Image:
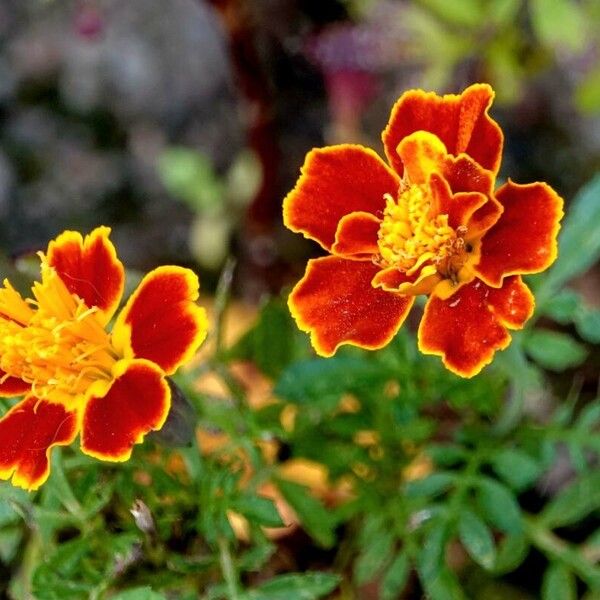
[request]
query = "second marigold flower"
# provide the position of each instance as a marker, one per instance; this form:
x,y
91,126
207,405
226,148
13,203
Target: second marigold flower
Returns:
x,y
430,223
77,376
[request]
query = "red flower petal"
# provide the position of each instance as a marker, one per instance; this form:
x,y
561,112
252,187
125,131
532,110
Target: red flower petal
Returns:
x,y
459,207
12,386
524,238
137,402
461,123
161,320
392,279
337,181
89,268
356,235
27,433
467,328
336,303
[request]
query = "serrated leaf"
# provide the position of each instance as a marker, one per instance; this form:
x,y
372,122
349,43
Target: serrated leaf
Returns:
x,y
138,593
516,468
553,350
578,241
305,586
374,555
323,379
587,323
511,552
430,486
258,509
499,506
395,577
476,538
316,520
574,503
563,306
558,583
431,557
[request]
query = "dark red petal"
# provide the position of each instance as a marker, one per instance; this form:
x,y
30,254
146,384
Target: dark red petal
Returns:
x,y
467,328
161,320
524,238
336,303
12,386
461,123
356,236
89,268
337,181
459,207
137,402
27,433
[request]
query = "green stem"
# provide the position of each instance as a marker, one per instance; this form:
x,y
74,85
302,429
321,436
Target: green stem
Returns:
x,y
221,300
557,549
228,569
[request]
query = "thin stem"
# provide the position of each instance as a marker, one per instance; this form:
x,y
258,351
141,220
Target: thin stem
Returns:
x,y
222,295
228,569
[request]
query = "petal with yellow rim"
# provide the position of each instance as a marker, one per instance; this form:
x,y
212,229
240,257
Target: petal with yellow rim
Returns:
x,y
89,267
161,320
460,121
12,386
467,328
28,431
524,238
137,402
335,182
356,236
336,303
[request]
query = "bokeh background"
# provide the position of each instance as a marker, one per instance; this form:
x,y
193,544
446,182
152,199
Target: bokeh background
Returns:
x,y
183,123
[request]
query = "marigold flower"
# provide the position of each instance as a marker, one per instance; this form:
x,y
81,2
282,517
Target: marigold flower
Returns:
x,y
75,374
430,223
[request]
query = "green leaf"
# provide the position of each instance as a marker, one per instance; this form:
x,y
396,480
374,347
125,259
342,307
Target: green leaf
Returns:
x,y
511,552
430,486
10,539
579,239
574,503
559,23
558,583
443,586
395,578
259,510
374,555
587,323
563,306
316,520
138,593
553,350
477,539
323,379
272,343
587,94
189,176
517,468
305,586
460,12
498,505
431,557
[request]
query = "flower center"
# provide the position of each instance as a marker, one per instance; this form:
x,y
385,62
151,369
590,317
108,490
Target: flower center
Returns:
x,y
54,342
410,236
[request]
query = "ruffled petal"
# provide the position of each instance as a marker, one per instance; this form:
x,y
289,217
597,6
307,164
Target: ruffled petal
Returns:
x,y
459,207
336,303
467,328
392,279
161,320
335,182
89,268
524,238
460,122
137,402
12,386
356,236
28,431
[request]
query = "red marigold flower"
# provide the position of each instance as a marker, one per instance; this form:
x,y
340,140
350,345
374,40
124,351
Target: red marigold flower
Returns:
x,y
429,224
76,375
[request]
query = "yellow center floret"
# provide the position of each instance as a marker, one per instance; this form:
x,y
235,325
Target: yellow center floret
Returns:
x,y
54,341
410,235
